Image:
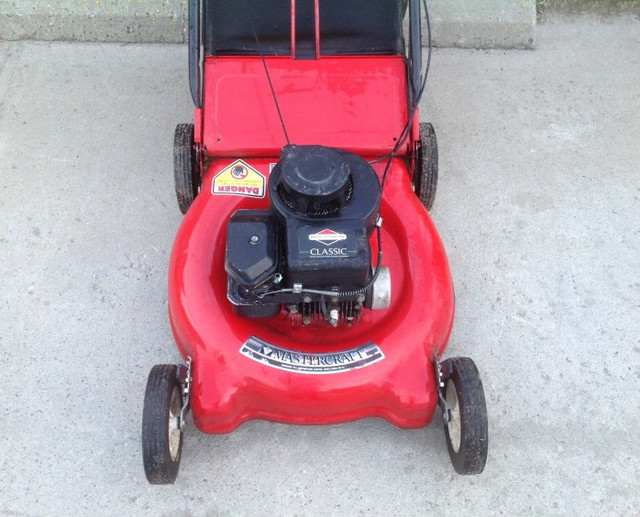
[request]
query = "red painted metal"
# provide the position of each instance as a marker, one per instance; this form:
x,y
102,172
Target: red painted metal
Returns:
x,y
197,126
230,388
354,103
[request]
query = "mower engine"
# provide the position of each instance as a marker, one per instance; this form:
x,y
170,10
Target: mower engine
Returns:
x,y
310,251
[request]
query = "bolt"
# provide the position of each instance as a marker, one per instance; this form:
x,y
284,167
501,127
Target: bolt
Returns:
x,y
334,316
254,239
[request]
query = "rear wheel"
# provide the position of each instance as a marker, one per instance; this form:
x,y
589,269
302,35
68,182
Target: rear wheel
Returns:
x,y
425,176
161,434
186,169
466,425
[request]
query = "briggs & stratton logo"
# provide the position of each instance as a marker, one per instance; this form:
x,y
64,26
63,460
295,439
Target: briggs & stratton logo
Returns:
x,y
327,237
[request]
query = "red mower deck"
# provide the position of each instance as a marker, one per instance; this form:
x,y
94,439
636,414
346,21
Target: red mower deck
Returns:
x,y
323,378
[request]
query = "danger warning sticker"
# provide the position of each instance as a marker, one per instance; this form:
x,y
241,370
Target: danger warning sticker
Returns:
x,y
239,179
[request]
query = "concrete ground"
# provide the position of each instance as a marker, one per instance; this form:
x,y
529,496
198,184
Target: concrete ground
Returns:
x,y
456,23
538,205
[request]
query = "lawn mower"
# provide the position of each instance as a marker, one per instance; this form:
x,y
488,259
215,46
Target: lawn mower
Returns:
x,y
307,282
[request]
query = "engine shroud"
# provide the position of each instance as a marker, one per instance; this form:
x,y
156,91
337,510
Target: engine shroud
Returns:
x,y
324,204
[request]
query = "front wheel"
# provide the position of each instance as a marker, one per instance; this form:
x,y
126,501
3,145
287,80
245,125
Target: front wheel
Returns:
x,y
161,433
466,425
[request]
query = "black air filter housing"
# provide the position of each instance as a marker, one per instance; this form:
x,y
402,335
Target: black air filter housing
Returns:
x,y
314,180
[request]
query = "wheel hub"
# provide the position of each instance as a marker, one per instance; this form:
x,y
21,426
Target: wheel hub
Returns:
x,y
453,425
174,424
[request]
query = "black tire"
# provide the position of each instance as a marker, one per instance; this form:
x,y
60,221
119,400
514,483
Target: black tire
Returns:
x,y
161,439
425,177
186,169
467,432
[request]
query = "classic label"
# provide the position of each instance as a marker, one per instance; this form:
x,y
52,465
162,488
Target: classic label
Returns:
x,y
306,363
239,179
329,252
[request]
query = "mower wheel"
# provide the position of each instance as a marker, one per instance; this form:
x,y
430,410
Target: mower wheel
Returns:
x,y
161,434
425,176
466,427
186,169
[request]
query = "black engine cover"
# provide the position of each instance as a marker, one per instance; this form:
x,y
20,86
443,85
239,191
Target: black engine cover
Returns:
x,y
324,203
328,201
